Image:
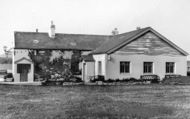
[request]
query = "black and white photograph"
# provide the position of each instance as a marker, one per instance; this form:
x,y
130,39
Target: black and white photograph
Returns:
x,y
94,59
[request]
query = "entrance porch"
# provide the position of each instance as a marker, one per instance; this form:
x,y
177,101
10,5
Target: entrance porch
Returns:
x,y
23,70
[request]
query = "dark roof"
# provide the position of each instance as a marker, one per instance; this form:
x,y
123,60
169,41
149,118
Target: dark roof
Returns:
x,y
99,43
121,40
117,40
88,58
38,40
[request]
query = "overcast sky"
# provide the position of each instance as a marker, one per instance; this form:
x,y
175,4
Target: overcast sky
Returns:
x,y
171,18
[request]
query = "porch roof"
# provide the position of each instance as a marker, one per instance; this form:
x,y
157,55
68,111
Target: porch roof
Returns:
x,y
21,59
88,58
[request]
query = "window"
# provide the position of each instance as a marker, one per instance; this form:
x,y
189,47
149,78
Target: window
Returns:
x,y
99,67
148,67
124,67
188,68
170,67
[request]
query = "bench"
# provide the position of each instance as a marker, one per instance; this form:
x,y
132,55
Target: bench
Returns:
x,y
152,78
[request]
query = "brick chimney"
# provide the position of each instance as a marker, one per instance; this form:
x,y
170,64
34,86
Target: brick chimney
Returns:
x,y
52,32
115,32
138,28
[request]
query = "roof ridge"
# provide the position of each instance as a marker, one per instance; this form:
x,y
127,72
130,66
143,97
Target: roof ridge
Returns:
x,y
83,34
29,32
133,31
62,33
79,34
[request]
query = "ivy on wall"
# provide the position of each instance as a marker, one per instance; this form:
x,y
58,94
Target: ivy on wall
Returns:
x,y
55,62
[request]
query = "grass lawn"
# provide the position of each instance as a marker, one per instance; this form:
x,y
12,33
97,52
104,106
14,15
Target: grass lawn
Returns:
x,y
92,102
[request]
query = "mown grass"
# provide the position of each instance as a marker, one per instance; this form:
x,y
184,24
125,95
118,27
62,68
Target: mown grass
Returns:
x,y
138,102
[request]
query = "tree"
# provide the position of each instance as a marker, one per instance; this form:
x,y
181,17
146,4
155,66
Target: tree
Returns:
x,y
5,50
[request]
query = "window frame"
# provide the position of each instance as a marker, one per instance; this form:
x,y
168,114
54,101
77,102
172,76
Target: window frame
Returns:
x,y
146,70
169,72
126,67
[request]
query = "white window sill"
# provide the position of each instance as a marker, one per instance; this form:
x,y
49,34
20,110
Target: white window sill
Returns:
x,y
148,73
125,73
170,73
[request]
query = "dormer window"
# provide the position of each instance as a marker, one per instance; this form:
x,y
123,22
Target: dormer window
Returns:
x,y
35,41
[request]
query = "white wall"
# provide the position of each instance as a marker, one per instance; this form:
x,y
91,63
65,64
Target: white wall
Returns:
x,y
88,71
19,54
102,58
136,65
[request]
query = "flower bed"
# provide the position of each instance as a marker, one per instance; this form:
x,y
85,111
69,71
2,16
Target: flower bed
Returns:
x,y
62,81
183,80
144,79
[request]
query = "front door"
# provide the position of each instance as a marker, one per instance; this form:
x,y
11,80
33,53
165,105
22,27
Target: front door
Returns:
x,y
24,76
23,69
99,68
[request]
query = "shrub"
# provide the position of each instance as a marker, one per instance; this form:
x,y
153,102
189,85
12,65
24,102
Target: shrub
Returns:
x,y
133,79
46,77
177,80
97,78
117,80
9,75
155,81
4,60
77,80
52,83
125,80
92,79
100,78
60,81
188,73
121,80
110,81
172,76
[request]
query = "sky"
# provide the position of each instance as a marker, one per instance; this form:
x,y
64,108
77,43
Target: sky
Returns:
x,y
171,18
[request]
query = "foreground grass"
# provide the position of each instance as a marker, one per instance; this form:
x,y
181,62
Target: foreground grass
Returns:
x,y
138,102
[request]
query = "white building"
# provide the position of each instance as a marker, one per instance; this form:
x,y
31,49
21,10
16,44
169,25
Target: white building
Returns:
x,y
140,52
131,54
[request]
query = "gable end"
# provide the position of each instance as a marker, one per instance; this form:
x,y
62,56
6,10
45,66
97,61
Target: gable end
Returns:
x,y
149,42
